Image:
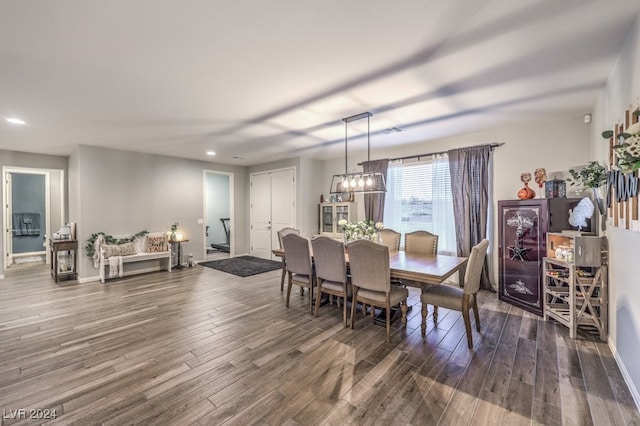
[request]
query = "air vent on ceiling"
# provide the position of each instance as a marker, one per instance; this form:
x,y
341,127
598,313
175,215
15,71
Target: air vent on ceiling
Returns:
x,y
393,130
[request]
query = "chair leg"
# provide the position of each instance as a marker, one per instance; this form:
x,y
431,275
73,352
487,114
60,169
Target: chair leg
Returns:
x,y
423,325
404,309
311,297
435,314
354,302
318,300
476,314
289,285
344,311
467,326
284,272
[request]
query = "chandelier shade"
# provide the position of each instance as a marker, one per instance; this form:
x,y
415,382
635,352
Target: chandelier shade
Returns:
x,y
358,182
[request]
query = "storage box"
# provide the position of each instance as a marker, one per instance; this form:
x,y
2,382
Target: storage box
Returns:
x,y
555,188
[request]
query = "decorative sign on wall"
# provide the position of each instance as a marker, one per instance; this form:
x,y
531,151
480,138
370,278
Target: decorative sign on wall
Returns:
x,y
622,178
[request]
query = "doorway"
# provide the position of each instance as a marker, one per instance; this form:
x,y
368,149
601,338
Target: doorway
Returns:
x,y
272,207
34,208
218,215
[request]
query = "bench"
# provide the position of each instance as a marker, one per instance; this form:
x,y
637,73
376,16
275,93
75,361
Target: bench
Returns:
x,y
149,253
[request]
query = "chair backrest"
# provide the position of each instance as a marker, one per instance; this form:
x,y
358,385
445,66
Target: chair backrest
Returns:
x,y
286,231
297,251
390,238
328,255
369,265
421,242
474,267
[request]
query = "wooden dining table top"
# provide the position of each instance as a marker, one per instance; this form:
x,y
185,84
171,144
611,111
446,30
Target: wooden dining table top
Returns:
x,y
417,268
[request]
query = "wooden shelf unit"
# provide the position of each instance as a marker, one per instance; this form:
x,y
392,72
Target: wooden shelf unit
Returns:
x,y
63,259
575,288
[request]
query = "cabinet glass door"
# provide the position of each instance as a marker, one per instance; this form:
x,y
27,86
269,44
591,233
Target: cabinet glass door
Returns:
x,y
326,224
342,212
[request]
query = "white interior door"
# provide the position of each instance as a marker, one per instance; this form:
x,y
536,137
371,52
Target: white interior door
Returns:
x,y
272,208
283,203
260,212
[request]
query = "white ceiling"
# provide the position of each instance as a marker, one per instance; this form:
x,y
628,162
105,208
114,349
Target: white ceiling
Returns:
x,y
266,80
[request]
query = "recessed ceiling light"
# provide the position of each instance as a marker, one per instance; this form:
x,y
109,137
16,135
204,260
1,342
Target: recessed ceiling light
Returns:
x,y
211,153
14,120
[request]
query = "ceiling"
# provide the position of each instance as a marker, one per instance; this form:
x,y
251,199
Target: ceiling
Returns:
x,y
258,81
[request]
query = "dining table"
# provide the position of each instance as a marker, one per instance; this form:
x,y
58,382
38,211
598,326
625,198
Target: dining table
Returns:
x,y
414,269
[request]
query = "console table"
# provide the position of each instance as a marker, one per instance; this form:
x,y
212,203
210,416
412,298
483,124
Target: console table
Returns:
x,y
178,243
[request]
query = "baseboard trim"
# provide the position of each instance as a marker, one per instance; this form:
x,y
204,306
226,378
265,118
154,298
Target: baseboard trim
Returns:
x,y
625,373
88,279
1,276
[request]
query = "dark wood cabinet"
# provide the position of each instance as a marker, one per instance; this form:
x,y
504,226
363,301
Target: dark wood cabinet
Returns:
x,y
523,226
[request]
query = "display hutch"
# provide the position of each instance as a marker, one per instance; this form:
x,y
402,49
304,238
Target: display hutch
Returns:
x,y
331,213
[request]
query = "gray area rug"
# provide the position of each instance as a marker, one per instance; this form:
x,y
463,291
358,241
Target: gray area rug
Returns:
x,y
243,266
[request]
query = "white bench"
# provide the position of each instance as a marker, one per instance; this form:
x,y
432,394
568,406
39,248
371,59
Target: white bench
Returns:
x,y
141,261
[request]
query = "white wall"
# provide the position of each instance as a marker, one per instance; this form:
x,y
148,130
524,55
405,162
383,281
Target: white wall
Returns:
x,y
621,91
557,144
120,192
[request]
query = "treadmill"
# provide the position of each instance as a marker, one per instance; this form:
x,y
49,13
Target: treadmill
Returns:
x,y
225,246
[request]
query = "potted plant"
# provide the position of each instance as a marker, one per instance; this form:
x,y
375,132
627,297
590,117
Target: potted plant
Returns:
x,y
593,176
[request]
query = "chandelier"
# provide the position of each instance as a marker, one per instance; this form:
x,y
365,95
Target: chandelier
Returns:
x,y
360,182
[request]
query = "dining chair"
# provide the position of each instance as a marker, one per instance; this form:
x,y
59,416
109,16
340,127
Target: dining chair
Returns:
x,y
297,250
421,242
389,238
459,299
371,280
331,271
282,233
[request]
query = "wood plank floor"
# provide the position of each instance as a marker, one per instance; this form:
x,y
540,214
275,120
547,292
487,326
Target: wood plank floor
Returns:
x,y
202,347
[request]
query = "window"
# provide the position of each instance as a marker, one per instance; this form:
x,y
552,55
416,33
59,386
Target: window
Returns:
x,y
419,198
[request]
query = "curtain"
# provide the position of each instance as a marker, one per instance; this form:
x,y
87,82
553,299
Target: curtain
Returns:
x,y
469,168
393,199
442,206
374,203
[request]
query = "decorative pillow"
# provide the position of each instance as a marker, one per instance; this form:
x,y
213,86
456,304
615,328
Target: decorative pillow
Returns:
x,y
125,249
157,243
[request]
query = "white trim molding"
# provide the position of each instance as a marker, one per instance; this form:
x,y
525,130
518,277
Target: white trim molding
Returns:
x,y
625,374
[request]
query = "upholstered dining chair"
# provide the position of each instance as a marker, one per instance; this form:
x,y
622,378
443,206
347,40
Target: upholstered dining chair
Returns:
x,y
390,238
282,233
421,242
331,271
459,299
370,280
300,272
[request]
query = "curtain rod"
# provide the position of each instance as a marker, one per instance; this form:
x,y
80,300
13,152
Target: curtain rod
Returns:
x,y
493,145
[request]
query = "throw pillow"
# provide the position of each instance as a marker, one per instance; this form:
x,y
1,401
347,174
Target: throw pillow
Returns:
x,y
157,243
125,249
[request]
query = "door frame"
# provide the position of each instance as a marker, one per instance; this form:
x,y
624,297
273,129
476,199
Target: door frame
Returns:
x,y
295,199
7,206
231,211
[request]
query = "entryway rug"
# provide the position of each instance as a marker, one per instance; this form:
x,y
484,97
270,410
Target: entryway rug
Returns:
x,y
243,266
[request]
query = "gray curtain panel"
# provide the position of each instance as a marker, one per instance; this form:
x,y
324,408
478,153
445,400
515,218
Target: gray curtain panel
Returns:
x,y
469,168
374,203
